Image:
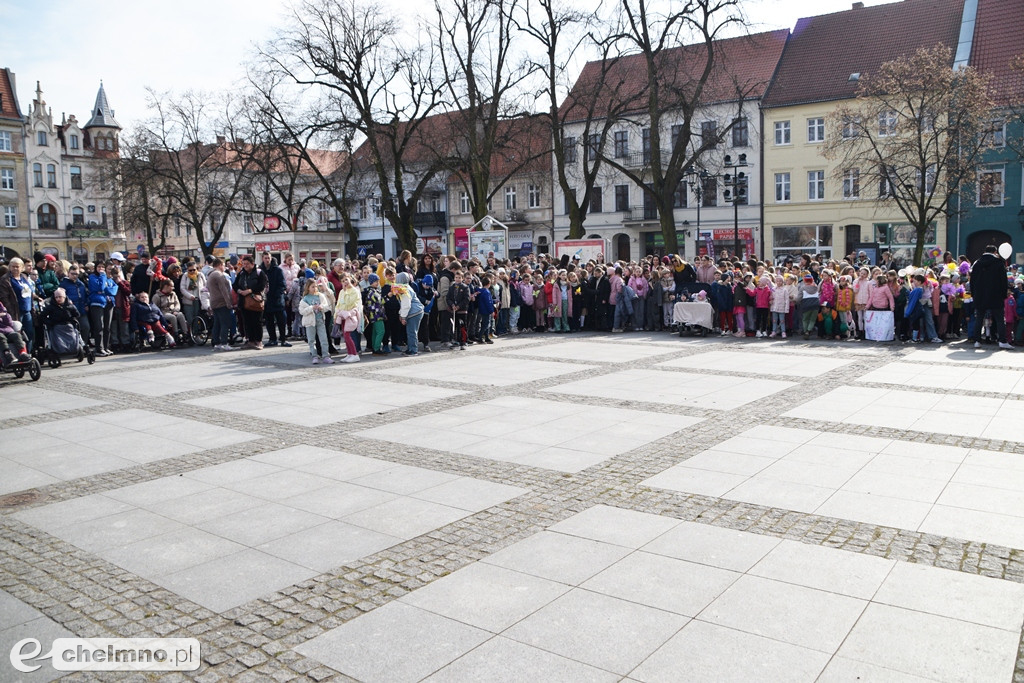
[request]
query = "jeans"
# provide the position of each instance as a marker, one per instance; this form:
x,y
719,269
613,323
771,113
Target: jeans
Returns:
x,y
412,328
221,325
314,331
778,322
99,323
929,322
28,328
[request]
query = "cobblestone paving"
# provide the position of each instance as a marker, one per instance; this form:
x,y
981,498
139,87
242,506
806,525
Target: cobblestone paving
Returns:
x,y
89,596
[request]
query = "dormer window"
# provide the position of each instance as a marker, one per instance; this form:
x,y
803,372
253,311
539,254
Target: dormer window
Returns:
x,y
74,141
41,138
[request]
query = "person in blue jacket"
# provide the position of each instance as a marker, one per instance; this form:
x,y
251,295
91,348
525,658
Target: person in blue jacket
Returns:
x,y
78,294
485,308
102,292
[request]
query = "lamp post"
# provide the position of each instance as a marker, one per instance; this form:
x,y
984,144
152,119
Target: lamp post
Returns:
x,y
739,181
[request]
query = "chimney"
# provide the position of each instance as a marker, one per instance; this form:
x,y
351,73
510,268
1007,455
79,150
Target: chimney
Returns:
x,y
858,5
220,139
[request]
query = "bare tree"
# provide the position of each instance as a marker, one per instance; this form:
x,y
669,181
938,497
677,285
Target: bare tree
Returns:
x,y
680,72
199,170
483,78
598,98
146,205
914,136
386,93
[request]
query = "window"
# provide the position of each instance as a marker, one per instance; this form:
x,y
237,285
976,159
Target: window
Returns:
x,y
681,197
622,197
569,145
77,216
46,217
621,144
5,141
990,186
851,128
463,202
816,130
569,199
375,206
37,175
6,178
323,213
593,146
645,142
10,216
76,177
709,192
596,203
709,134
74,141
677,130
533,196
815,185
851,183
740,133
51,175
995,134
782,187
41,138
886,123
510,198
362,211
799,239
782,133
929,179
885,181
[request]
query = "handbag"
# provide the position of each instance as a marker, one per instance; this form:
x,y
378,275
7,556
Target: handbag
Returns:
x,y
253,302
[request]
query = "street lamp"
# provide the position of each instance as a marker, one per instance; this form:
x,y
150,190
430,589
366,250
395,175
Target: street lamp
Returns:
x,y
739,182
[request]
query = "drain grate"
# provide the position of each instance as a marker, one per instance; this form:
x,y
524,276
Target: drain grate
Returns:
x,y
14,500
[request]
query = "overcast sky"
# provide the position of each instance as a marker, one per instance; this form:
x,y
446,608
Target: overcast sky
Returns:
x,y
201,44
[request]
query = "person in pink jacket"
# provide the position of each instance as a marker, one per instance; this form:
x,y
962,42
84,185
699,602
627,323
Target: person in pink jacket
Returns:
x,y
862,287
641,287
762,305
780,301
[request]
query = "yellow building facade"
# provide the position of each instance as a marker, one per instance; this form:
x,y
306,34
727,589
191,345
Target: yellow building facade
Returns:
x,y
813,204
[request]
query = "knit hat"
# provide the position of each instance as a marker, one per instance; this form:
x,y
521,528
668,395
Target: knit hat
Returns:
x,y
372,279
309,274
428,280
808,276
49,257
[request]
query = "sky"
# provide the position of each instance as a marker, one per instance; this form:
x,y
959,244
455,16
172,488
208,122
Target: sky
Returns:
x,y
186,44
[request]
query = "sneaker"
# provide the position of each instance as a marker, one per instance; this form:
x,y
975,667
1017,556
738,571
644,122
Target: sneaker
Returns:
x,y
935,340
772,334
327,360
1004,345
977,344
783,335
170,341
488,341
351,359
426,349
404,353
150,337
258,346
316,360
9,357
272,342
462,347
286,344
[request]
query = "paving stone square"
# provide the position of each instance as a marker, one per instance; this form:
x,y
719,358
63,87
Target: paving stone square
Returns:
x,y
317,402
656,609
976,416
226,534
21,621
475,370
790,364
554,435
945,490
637,507
164,380
719,392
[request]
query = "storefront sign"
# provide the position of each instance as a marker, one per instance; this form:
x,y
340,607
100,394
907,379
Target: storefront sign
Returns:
x,y
273,246
516,239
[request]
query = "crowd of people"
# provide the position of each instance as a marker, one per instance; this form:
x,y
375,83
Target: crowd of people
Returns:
x,y
415,305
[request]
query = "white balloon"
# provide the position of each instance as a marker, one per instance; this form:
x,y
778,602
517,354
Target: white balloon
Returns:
x,y
1006,250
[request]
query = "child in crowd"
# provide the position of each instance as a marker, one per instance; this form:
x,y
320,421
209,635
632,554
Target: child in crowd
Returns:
x,y
12,345
721,296
810,300
374,305
485,308
458,304
845,302
762,304
779,307
348,315
149,318
861,294
740,297
668,296
312,308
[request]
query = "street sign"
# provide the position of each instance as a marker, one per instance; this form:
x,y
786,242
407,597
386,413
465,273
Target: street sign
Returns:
x,y
141,248
362,252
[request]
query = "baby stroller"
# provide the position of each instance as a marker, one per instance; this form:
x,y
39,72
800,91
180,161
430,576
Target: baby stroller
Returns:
x,y
65,339
18,367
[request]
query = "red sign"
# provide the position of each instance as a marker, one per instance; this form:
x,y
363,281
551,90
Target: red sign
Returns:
x,y
271,223
273,246
462,242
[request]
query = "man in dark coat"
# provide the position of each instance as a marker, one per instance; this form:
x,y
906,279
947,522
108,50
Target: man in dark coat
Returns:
x,y
273,311
141,280
250,282
988,289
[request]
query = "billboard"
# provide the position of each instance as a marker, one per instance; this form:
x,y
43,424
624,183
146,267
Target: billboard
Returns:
x,y
585,249
482,242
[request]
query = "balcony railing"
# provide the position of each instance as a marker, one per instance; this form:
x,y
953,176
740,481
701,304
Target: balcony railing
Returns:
x,y
637,214
430,219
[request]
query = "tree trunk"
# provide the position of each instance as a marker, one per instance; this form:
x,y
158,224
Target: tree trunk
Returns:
x,y
576,229
667,219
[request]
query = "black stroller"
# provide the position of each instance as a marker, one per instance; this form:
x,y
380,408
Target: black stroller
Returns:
x,y
65,340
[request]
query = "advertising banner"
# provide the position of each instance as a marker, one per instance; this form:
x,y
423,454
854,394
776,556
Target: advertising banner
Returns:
x,y
584,249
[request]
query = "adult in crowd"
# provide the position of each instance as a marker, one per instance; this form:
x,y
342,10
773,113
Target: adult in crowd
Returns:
x,y
988,289
251,287
141,280
273,312
78,294
219,286
336,274
17,295
102,292
191,286
48,280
